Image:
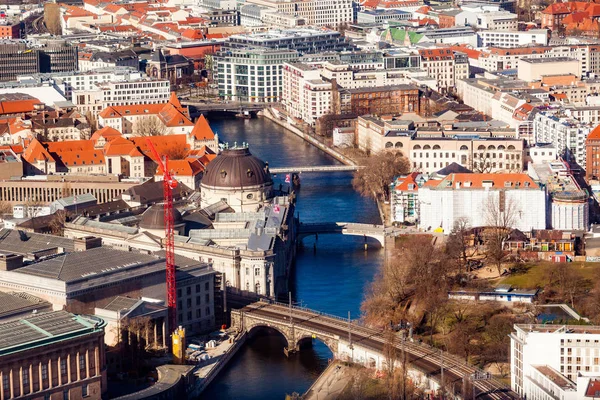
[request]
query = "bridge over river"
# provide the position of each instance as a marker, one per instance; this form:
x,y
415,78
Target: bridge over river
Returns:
x,y
315,168
377,232
348,340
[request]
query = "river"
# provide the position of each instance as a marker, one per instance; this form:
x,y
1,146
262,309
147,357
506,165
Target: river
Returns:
x,y
331,279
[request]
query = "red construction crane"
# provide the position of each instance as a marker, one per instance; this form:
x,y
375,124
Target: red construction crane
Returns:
x,y
169,183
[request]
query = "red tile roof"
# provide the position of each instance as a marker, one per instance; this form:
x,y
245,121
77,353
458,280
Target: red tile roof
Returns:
x,y
107,133
18,106
475,181
202,130
183,168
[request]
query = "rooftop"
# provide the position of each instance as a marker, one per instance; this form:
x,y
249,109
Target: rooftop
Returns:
x,y
44,329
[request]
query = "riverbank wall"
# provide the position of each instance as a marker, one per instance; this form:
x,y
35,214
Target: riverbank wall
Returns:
x,y
271,115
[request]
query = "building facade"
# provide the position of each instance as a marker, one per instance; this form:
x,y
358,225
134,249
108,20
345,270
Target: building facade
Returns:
x,y
53,355
554,361
479,198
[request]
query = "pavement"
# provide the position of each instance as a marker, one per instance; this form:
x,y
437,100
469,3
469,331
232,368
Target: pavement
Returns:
x,y
331,383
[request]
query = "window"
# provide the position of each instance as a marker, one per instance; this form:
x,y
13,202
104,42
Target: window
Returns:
x,y
197,288
84,391
198,313
189,303
44,371
206,286
63,366
256,271
179,304
207,298
189,315
180,318
178,292
207,311
188,290
82,362
5,382
198,301
66,394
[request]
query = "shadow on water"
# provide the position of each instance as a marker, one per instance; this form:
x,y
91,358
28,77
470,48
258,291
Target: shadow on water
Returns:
x,y
331,280
261,370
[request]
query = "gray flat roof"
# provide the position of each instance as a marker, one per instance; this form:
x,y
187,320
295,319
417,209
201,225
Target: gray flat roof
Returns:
x,y
24,243
95,262
43,329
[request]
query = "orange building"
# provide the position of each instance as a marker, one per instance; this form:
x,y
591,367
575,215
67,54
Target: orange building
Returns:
x,y
10,30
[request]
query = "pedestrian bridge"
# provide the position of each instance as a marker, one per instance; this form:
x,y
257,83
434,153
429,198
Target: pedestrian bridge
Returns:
x,y
350,341
314,168
376,232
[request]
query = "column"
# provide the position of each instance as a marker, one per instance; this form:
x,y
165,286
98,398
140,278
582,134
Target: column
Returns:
x,y
59,369
155,335
50,383
21,381
87,363
1,385
96,362
78,364
164,331
40,379
12,384
68,367
30,378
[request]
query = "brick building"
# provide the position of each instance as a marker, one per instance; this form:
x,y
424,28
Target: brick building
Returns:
x,y
52,355
592,158
397,99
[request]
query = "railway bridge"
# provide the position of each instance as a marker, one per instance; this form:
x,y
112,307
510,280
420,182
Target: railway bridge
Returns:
x,y
349,340
376,232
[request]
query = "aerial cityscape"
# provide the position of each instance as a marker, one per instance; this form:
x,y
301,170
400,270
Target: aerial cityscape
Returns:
x,y
300,199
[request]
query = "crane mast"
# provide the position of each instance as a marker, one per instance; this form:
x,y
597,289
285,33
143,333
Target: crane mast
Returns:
x,y
169,183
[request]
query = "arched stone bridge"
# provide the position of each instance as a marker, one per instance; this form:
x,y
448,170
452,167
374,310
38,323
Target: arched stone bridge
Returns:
x,y
376,232
353,342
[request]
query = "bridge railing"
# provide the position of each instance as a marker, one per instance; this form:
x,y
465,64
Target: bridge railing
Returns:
x,y
320,313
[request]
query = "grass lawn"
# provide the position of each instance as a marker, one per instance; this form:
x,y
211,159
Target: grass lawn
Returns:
x,y
535,275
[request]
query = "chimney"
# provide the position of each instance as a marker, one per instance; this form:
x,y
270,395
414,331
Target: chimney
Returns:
x,y
86,243
10,261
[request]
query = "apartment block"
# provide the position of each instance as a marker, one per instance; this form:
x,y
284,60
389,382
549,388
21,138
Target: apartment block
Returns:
x,y
512,39
555,361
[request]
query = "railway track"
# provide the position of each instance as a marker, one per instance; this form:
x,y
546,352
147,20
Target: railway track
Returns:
x,y
424,358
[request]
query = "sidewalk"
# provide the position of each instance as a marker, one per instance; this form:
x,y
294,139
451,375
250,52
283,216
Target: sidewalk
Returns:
x,y
330,384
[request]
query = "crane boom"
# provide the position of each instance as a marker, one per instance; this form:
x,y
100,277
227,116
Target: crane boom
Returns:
x,y
169,183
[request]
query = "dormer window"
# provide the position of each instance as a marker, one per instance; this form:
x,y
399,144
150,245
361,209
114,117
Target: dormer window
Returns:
x,y
249,173
223,173
507,184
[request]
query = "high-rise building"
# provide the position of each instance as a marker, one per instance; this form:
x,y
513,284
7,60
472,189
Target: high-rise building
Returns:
x,y
51,56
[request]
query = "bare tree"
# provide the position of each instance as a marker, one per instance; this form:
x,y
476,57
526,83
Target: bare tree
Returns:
x,y
92,121
457,243
482,162
5,208
52,18
66,190
175,152
379,170
501,216
149,126
57,223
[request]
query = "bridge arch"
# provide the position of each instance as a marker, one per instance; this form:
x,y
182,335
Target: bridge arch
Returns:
x,y
331,344
252,330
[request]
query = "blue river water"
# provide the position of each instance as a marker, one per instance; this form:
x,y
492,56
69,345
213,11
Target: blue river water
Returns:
x,y
331,278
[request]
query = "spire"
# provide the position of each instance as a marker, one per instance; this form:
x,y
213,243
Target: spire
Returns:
x,y
174,100
202,130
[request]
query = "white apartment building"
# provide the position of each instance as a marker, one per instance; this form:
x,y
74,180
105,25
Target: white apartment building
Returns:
x,y
441,64
253,75
497,59
552,362
124,93
82,81
567,135
512,39
304,94
586,115
497,20
315,12
477,197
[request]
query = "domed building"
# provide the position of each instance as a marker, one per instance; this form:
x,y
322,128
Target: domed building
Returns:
x,y
153,221
238,178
